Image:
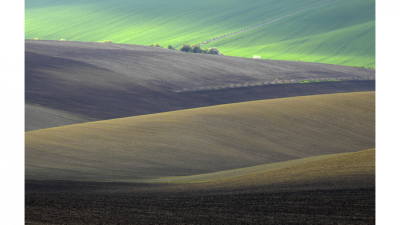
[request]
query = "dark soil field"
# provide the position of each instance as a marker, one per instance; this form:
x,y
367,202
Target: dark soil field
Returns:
x,y
344,194
349,206
73,82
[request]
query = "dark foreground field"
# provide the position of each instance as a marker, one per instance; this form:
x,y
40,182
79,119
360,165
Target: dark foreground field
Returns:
x,y
345,194
346,206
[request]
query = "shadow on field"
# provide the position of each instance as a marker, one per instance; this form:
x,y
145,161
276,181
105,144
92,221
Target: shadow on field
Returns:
x,y
94,93
74,82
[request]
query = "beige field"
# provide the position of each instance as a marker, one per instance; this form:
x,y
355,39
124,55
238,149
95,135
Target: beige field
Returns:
x,y
203,140
349,170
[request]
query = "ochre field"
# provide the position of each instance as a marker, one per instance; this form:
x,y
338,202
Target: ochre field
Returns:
x,y
203,140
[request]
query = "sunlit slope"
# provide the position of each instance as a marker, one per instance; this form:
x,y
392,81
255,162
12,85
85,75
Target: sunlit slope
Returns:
x,y
208,177
203,140
147,22
341,33
351,170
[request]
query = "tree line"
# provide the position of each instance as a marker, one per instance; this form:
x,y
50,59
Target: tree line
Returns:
x,y
195,48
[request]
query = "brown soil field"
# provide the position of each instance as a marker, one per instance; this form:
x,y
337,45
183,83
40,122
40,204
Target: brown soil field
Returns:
x,y
339,190
71,82
170,68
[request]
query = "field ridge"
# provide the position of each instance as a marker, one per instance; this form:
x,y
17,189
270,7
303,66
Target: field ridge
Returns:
x,y
203,140
121,80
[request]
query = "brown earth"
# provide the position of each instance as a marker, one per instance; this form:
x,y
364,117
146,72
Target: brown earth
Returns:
x,y
344,194
175,69
349,206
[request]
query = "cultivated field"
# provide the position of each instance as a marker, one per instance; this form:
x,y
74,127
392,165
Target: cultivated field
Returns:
x,y
73,82
203,140
338,189
109,141
342,32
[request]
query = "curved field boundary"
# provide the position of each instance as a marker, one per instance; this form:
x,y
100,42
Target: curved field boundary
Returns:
x,y
203,140
269,82
273,20
207,177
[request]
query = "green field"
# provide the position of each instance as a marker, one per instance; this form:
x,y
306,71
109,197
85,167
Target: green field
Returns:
x,y
203,140
341,33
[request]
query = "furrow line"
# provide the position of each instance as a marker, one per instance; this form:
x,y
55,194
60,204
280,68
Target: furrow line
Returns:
x,y
273,20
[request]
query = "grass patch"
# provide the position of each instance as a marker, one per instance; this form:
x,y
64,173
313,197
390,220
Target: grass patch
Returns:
x,y
308,81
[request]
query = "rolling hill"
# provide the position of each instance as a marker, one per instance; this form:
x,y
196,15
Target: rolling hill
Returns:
x,y
121,132
74,82
338,171
203,140
342,32
339,189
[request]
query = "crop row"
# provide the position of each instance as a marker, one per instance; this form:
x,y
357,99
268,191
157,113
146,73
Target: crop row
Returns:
x,y
269,82
273,20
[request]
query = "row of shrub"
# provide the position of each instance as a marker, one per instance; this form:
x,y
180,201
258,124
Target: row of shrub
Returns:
x,y
195,48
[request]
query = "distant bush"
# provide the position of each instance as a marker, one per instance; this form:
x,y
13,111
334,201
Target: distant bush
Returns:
x,y
213,51
157,45
107,41
171,47
63,40
196,48
185,48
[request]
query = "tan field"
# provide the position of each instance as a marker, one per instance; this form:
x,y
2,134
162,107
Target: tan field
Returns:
x,y
203,140
350,170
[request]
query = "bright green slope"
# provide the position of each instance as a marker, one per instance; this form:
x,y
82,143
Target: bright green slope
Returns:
x,y
343,33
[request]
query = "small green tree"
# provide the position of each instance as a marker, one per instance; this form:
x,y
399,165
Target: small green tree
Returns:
x,y
171,47
185,48
196,48
157,45
213,51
